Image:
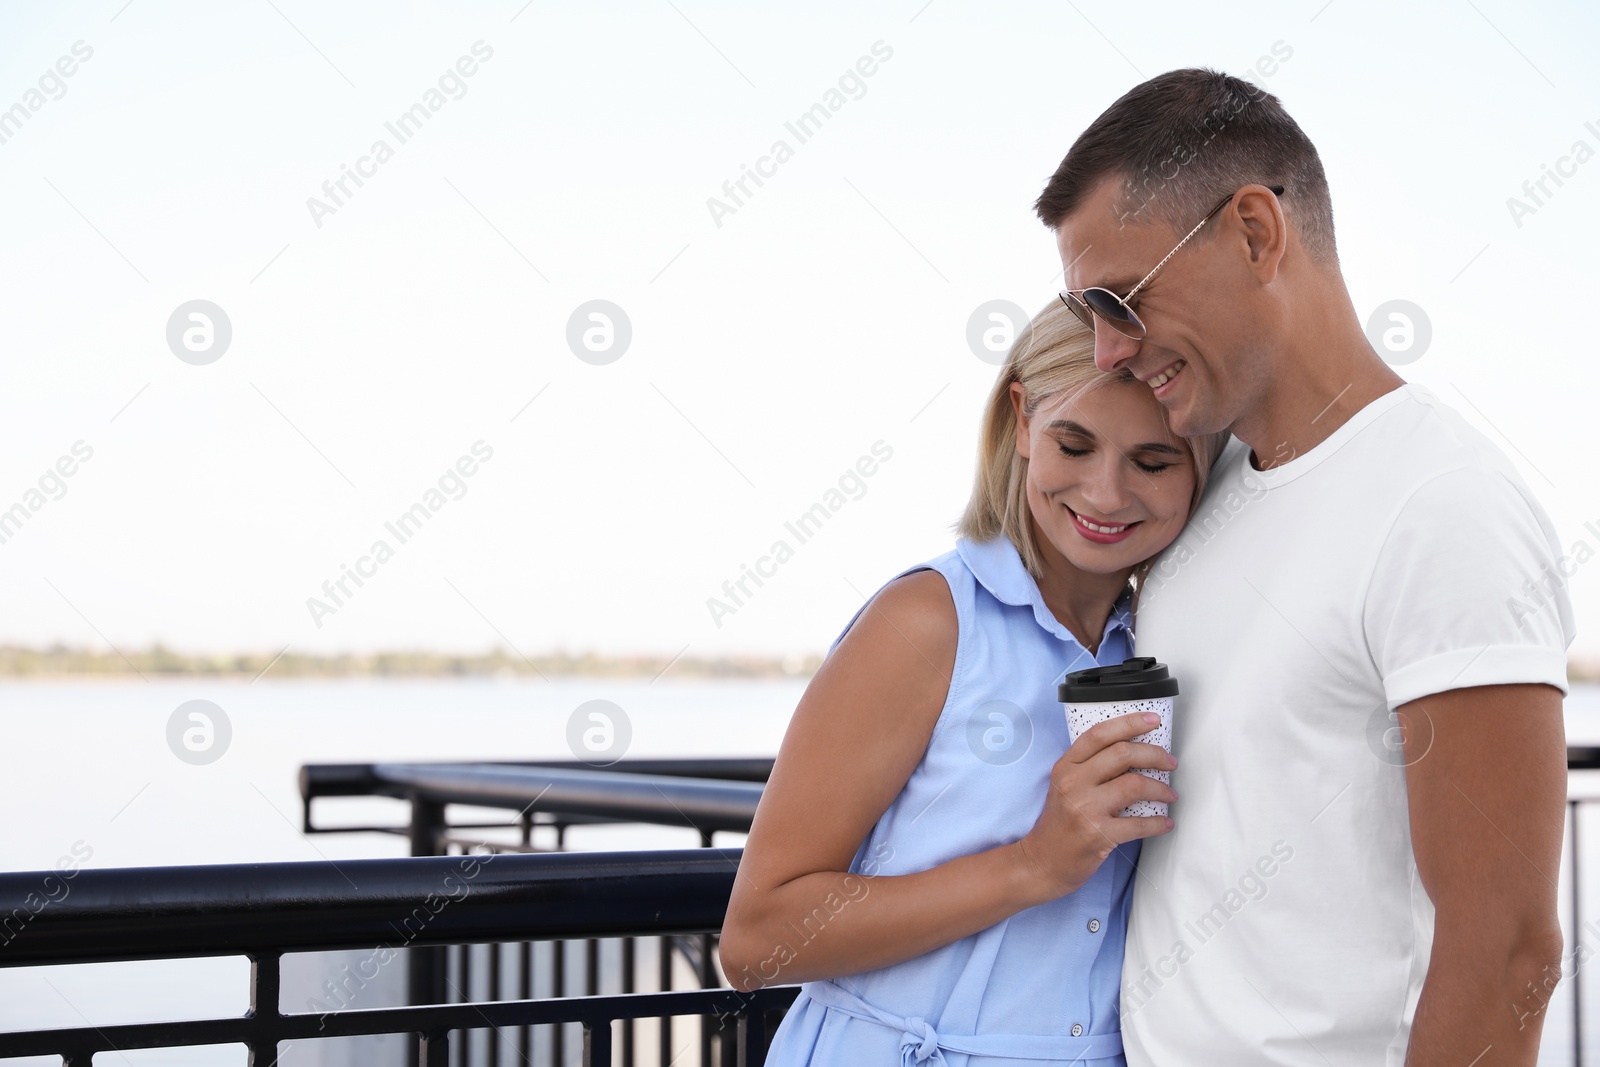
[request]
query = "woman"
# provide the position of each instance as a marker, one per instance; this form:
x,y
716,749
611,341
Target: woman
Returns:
x,y
943,879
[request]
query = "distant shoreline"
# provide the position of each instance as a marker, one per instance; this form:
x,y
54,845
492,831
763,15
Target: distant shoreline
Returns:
x,y
61,663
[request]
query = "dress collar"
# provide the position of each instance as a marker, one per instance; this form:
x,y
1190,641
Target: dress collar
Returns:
x,y
999,569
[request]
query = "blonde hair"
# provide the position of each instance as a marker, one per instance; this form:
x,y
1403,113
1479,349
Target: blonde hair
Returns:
x,y
1053,356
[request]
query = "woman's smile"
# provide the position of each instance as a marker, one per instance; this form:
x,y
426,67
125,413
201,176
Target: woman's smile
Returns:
x,y
1101,533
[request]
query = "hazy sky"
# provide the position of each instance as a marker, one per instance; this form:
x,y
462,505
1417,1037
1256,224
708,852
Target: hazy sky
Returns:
x,y
380,335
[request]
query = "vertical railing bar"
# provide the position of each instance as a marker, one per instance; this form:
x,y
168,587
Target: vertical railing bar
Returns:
x,y
266,983
558,1032
494,994
750,1042
469,1040
525,951
424,966
627,987
596,1044
1577,939
664,967
433,1049
450,974
525,983
558,988
457,989
708,980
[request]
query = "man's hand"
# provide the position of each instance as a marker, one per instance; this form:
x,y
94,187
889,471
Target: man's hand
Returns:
x,y
1486,779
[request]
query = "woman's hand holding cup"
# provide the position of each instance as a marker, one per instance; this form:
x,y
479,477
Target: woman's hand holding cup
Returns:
x,y
1094,780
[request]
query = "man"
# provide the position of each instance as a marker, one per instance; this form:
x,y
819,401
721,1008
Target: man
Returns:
x,y
1365,618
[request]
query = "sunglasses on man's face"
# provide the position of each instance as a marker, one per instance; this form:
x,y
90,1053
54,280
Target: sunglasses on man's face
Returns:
x,y
1117,311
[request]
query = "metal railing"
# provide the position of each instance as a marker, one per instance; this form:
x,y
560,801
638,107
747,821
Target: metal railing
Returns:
x,y
459,895
538,924
704,795
263,911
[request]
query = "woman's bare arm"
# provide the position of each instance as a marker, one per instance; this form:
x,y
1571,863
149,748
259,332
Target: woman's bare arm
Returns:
x,y
861,728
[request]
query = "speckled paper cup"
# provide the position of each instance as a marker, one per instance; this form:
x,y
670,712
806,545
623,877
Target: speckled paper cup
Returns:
x,y
1139,684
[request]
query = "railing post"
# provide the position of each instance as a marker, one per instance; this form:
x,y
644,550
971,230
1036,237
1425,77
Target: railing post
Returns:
x,y
627,987
708,980
461,992
1577,939
558,988
433,1049
424,966
427,824
494,994
525,983
262,1054
664,961
752,1038
597,1044
266,981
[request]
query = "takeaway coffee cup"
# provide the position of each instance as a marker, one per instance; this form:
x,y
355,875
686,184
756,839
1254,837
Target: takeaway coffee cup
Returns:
x,y
1100,693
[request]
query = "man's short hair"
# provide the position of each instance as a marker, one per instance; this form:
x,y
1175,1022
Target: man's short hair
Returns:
x,y
1184,140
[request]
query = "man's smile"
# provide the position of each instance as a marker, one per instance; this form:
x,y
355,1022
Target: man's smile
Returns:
x,y
1165,375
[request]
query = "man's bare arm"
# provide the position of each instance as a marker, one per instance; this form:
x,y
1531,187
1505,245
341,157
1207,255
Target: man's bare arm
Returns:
x,y
1487,784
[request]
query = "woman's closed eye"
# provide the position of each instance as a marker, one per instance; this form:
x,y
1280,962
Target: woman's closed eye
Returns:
x,y
1148,468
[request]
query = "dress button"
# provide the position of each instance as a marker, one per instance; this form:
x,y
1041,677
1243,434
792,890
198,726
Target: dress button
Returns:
x,y
1094,926
1077,1029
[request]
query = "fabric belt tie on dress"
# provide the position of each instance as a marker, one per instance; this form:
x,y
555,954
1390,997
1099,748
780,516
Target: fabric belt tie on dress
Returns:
x,y
920,1043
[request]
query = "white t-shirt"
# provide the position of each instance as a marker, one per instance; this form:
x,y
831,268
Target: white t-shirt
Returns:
x,y
1282,920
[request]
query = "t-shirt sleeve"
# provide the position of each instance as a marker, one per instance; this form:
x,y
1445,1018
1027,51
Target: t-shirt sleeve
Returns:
x,y
1468,589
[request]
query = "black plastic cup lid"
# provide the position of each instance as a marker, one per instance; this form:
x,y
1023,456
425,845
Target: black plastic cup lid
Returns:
x,y
1138,678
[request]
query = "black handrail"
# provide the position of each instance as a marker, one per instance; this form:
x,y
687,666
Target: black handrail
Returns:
x,y
127,913
263,910
705,794
706,804
359,779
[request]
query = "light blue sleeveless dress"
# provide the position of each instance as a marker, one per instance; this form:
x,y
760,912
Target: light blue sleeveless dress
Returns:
x,y
1042,986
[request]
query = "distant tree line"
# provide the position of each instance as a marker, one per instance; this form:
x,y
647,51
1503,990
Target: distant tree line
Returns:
x,y
62,661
